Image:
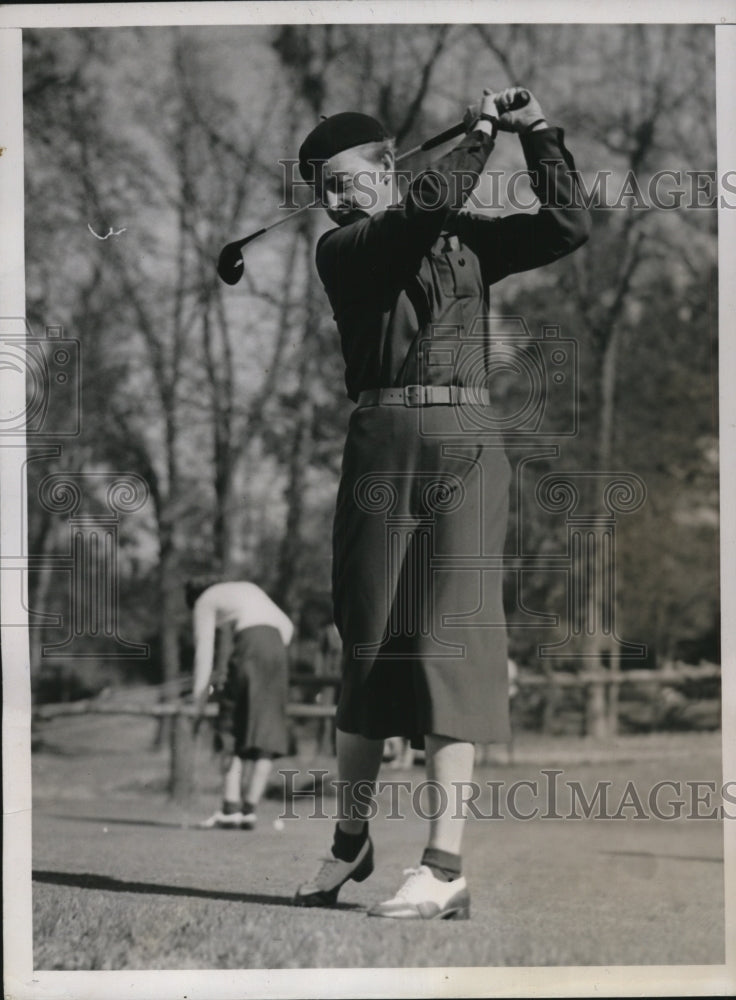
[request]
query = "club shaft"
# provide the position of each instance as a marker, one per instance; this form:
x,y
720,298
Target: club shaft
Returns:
x,y
230,260
519,101
286,218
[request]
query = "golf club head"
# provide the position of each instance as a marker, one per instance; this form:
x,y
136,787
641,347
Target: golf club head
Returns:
x,y
230,263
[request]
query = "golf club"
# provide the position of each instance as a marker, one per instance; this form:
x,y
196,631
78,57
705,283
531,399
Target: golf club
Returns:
x,y
230,261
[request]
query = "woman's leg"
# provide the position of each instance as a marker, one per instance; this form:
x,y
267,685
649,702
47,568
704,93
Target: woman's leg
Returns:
x,y
436,888
257,779
448,762
232,770
358,763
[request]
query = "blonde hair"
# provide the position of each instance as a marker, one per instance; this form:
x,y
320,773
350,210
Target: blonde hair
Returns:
x,y
375,151
378,150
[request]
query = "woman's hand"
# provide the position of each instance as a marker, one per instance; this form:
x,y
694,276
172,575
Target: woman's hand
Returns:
x,y
199,707
499,106
485,106
522,118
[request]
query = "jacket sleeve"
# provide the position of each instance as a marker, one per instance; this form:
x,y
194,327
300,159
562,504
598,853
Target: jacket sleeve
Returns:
x,y
378,253
526,240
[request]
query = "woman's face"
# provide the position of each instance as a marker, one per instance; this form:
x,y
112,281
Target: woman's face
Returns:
x,y
356,182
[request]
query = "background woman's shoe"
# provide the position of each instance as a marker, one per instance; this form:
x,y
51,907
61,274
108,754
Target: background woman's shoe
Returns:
x,y
222,821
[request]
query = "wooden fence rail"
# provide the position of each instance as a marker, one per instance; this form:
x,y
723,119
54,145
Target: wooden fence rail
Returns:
x,y
181,768
296,709
159,710
558,678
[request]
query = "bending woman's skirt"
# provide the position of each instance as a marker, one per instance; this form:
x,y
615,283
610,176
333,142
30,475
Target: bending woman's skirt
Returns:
x,y
252,716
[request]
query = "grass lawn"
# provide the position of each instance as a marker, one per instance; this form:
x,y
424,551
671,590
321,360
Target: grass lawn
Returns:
x,y
122,881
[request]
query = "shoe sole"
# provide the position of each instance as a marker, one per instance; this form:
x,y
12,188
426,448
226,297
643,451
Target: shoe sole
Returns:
x,y
456,913
243,823
328,897
427,911
219,826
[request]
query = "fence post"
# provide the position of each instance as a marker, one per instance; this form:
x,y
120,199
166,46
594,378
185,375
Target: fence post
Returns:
x,y
596,723
613,696
181,773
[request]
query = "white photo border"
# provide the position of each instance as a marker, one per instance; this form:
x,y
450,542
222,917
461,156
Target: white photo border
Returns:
x,y
20,979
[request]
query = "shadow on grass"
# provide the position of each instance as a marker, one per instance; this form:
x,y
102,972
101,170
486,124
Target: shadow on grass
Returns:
x,y
85,880
103,820
663,857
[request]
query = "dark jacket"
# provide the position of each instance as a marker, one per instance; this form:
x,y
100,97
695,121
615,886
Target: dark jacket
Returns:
x,y
393,279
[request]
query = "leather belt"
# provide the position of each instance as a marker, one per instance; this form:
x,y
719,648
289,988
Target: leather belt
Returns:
x,y
425,395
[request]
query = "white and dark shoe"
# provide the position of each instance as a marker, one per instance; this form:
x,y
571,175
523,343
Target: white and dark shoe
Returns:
x,y
424,897
322,890
247,820
223,821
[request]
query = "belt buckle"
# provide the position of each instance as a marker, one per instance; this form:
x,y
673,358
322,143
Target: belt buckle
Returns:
x,y
413,395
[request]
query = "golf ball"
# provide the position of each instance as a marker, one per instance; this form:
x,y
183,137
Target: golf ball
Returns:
x,y
278,824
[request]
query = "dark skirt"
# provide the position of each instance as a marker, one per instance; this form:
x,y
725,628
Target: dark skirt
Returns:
x,y
417,576
252,716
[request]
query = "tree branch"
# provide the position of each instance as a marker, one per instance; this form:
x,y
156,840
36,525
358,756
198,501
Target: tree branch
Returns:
x,y
424,80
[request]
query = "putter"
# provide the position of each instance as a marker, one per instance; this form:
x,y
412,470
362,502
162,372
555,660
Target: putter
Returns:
x,y
230,261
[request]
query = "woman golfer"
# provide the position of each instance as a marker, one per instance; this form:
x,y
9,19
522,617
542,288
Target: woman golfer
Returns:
x,y
422,504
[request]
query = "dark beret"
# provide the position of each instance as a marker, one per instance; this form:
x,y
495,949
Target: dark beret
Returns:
x,y
335,134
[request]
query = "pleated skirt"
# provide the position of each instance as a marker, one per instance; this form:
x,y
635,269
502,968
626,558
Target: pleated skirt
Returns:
x,y
252,715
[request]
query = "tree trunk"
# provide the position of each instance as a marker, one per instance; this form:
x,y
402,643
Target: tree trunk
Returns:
x,y
168,630
613,693
181,778
291,544
302,443
600,709
225,520
608,399
596,724
40,582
